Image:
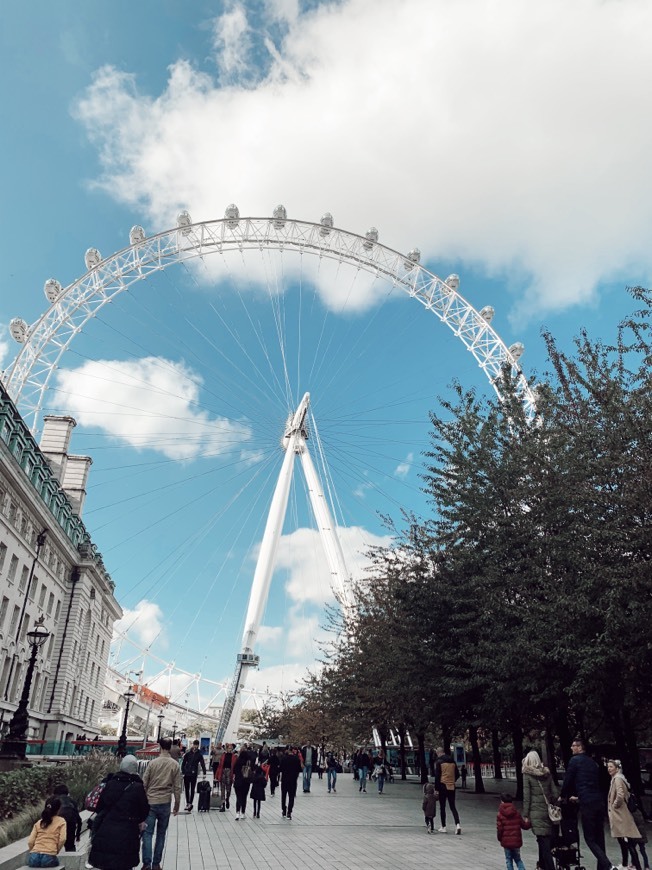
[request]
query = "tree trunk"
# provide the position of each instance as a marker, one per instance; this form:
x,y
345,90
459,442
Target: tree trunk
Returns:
x,y
565,738
401,751
423,767
517,737
551,758
475,754
632,753
446,737
495,746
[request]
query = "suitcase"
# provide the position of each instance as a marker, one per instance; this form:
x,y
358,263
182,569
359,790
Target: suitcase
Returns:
x,y
204,796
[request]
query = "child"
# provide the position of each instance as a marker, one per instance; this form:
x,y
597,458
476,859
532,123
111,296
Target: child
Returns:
x,y
429,806
47,837
509,823
258,789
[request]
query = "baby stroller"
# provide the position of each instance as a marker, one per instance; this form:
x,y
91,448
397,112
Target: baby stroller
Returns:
x,y
204,790
566,840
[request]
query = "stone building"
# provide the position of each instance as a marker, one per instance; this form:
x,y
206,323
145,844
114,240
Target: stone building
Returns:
x,y
49,567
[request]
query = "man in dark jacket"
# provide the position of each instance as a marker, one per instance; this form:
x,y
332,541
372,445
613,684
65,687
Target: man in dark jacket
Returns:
x,y
290,768
582,782
190,770
70,813
364,763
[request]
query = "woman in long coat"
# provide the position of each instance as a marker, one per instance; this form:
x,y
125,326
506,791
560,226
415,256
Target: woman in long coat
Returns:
x,y
539,790
121,811
621,821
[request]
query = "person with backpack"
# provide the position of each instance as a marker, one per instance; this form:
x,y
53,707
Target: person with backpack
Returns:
x,y
621,821
48,836
242,778
192,761
70,813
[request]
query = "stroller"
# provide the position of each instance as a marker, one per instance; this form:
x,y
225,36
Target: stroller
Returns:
x,y
204,789
566,842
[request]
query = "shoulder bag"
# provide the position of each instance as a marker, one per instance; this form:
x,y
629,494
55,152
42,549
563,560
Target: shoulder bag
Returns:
x,y
554,812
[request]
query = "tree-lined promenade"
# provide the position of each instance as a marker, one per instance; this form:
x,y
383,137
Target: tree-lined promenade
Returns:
x,y
520,610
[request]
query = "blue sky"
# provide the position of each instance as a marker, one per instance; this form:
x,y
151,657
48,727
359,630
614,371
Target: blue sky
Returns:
x,y
509,143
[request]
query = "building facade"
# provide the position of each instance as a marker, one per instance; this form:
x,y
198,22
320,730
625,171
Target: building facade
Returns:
x,y
50,568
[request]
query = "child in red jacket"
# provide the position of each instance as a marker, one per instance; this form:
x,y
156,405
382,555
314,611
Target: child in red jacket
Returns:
x,y
509,824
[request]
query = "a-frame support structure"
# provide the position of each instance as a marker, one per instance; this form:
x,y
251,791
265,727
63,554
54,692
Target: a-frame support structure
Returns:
x,y
294,444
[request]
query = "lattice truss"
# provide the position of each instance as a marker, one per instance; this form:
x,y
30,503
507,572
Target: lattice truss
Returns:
x,y
45,341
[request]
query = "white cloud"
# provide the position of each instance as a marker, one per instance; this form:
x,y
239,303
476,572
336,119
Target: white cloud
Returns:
x,y
5,350
232,43
403,468
301,553
507,134
152,404
142,625
269,635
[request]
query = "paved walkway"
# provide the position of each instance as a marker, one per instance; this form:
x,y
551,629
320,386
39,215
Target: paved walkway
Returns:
x,y
343,831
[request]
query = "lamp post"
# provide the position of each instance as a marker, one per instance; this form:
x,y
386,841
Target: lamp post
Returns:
x,y
160,718
122,740
15,744
174,729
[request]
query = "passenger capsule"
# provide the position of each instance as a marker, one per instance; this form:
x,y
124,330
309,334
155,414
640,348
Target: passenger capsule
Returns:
x,y
326,224
184,223
280,216
92,258
453,281
137,234
517,350
52,289
413,258
371,237
19,329
487,313
232,215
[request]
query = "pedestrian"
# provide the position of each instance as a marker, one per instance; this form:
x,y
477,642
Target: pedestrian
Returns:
x,y
463,775
192,761
48,836
581,783
429,806
363,762
509,825
446,772
290,768
273,762
331,772
264,753
175,750
242,777
309,755
162,781
121,813
539,790
225,775
621,821
70,812
258,787
380,772
639,820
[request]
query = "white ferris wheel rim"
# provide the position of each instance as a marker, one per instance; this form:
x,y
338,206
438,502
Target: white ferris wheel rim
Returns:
x,y
28,377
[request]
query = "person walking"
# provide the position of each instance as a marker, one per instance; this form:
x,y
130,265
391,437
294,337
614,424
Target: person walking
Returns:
x,y
539,790
364,762
70,813
331,772
273,763
509,825
581,783
258,787
463,774
290,769
162,782
446,772
225,775
48,836
621,821
192,761
242,777
121,813
429,806
380,771
309,755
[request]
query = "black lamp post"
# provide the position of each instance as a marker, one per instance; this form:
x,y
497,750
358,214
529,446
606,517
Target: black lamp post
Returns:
x,y
122,740
174,729
15,743
160,718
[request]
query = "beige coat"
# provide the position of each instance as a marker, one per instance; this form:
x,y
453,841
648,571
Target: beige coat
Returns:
x,y
621,821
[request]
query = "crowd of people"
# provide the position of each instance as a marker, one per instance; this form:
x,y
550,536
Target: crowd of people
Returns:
x,y
133,813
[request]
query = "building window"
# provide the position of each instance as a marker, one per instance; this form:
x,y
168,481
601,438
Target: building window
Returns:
x,y
3,555
14,620
23,628
13,567
3,611
50,645
23,578
32,587
50,604
57,611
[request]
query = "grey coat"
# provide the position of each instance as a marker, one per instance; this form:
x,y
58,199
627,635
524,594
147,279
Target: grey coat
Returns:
x,y
535,807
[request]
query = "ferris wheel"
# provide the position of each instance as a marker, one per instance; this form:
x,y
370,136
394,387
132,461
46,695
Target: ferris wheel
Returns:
x,y
258,258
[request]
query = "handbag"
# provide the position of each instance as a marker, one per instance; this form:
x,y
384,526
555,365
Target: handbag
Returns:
x,y
554,812
93,797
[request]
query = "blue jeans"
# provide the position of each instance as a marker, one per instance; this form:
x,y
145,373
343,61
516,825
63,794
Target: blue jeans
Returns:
x,y
511,856
381,782
40,859
331,777
159,817
362,773
307,773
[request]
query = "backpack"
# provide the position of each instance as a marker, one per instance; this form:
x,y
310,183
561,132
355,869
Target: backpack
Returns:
x,y
632,803
93,797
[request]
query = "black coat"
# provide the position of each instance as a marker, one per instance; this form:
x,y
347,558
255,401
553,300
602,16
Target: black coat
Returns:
x,y
290,768
116,834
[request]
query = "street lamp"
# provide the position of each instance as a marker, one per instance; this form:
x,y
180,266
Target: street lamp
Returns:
x,y
15,744
160,718
174,729
122,740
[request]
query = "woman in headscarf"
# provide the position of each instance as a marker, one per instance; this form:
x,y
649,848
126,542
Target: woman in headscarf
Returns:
x,y
539,790
121,814
621,821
